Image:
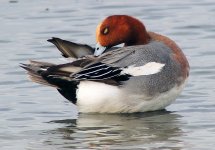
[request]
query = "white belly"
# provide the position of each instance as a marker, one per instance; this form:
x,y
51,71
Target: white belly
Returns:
x,y
96,97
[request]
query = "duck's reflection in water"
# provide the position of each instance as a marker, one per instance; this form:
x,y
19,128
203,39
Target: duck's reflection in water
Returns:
x,y
159,129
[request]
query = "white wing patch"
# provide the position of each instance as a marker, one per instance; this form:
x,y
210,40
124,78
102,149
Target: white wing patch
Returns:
x,y
147,69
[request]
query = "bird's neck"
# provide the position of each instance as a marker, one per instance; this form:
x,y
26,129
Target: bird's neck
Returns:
x,y
138,35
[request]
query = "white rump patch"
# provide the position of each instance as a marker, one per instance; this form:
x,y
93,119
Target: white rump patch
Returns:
x,y
147,69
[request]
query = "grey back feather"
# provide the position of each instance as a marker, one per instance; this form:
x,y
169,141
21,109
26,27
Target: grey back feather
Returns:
x,y
169,76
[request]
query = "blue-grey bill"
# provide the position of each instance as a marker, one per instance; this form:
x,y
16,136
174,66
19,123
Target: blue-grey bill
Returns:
x,y
99,49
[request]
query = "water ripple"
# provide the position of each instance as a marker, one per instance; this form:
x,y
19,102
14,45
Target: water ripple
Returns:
x,y
37,117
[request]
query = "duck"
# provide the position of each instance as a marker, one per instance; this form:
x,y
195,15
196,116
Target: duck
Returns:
x,y
147,74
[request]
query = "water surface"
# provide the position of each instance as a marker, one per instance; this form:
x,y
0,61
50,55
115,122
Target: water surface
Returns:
x,y
37,117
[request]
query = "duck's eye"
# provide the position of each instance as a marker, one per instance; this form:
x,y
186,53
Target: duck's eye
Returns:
x,y
105,31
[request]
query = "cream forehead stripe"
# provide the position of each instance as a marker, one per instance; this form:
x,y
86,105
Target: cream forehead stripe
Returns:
x,y
147,69
98,31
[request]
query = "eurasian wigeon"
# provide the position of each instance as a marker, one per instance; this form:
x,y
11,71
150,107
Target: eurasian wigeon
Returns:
x,y
147,74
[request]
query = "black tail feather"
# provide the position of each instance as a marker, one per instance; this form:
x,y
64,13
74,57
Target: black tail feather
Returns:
x,y
42,73
67,88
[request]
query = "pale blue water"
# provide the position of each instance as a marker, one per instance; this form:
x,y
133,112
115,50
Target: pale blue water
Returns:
x,y
36,117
